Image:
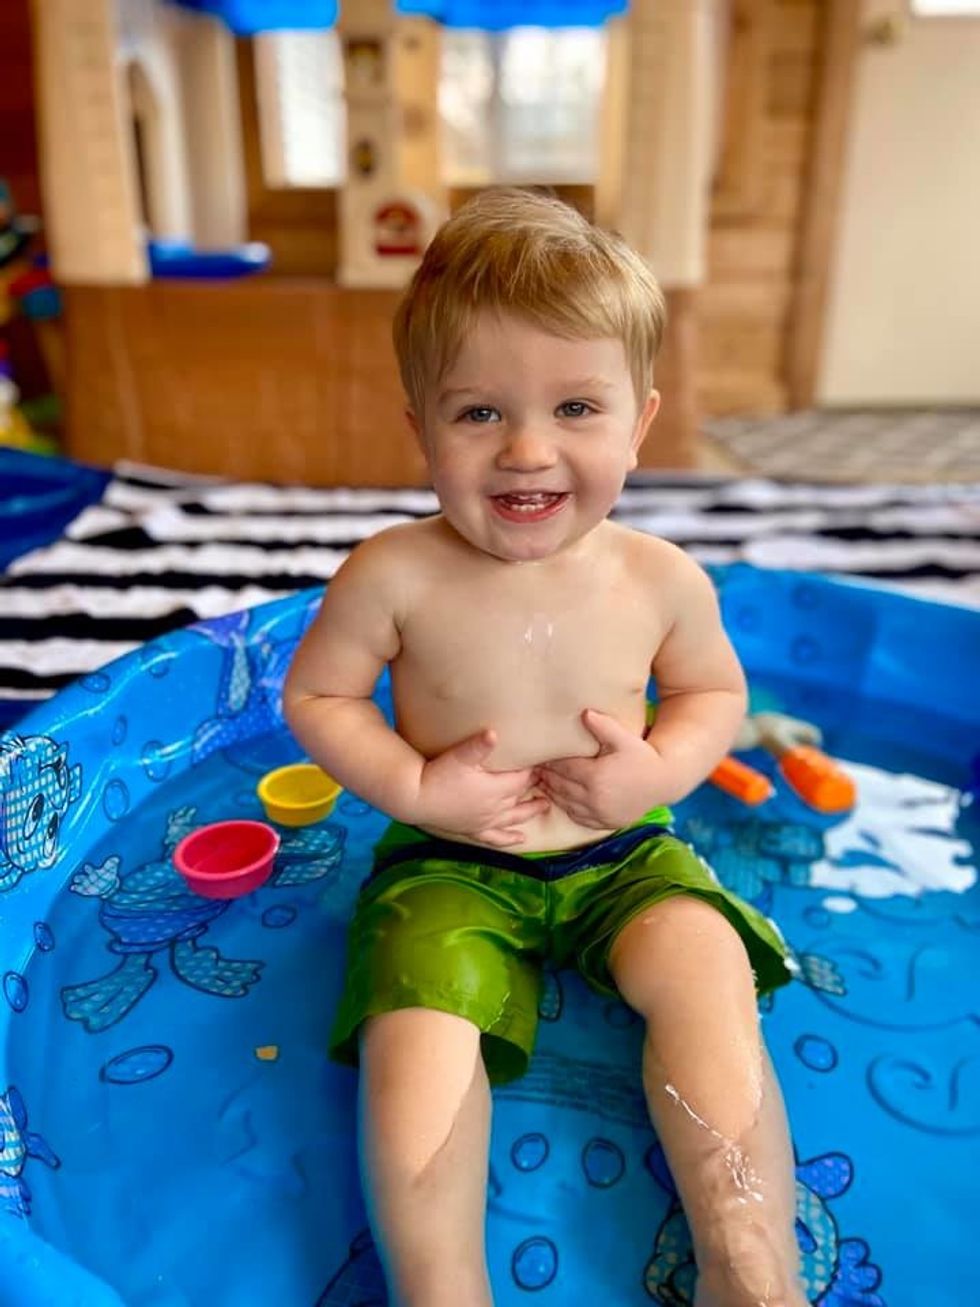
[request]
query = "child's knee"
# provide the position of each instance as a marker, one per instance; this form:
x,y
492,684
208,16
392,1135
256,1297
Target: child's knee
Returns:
x,y
682,943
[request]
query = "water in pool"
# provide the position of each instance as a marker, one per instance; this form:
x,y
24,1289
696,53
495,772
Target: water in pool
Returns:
x,y
195,1145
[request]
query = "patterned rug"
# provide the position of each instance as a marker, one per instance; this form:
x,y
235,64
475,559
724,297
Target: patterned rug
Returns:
x,y
910,445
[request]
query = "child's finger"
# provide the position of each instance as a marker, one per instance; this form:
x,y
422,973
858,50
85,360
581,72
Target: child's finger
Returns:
x,y
564,789
524,811
512,784
571,769
610,733
474,750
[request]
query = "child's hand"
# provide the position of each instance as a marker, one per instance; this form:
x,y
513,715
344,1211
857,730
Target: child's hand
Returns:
x,y
622,782
457,794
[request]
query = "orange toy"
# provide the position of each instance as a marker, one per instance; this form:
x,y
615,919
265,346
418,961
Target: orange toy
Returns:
x,y
741,781
809,772
817,779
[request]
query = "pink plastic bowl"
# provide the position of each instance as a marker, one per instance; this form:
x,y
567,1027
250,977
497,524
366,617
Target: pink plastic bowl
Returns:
x,y
227,858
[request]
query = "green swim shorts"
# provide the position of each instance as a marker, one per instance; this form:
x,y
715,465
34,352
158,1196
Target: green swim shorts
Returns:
x,y
466,930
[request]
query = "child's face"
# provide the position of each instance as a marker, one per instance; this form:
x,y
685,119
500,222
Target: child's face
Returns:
x,y
529,436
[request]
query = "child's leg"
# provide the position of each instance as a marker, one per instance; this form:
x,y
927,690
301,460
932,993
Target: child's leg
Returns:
x,y
425,1125
714,1100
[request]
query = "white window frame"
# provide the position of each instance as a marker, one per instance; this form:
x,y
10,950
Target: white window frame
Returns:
x,y
496,137
499,164
944,8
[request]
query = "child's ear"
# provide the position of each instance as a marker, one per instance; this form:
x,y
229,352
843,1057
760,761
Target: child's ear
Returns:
x,y
642,428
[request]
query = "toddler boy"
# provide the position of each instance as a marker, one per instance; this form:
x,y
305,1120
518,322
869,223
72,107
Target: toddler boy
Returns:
x,y
529,803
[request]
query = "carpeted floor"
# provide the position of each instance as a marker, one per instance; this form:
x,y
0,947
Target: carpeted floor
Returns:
x,y
907,445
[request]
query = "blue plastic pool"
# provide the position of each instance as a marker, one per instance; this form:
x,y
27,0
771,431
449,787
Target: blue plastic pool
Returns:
x,y
172,1134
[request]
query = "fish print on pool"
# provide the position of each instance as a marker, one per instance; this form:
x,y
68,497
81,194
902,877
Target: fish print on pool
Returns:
x,y
17,1144
37,787
150,912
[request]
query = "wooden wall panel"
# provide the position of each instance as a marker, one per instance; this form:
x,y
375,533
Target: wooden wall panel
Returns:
x,y
740,172
266,378
747,306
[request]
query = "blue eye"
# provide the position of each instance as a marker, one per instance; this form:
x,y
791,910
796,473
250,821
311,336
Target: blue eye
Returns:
x,y
575,408
481,413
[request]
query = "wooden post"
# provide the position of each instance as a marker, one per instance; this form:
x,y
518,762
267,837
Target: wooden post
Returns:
x,y
88,156
840,48
655,189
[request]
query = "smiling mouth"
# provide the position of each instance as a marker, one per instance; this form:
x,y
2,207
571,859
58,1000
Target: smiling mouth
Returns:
x,y
531,506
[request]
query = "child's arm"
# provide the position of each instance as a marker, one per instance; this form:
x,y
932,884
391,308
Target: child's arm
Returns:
x,y
327,703
702,701
327,695
700,682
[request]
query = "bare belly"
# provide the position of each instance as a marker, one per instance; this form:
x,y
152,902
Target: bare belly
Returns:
x,y
527,741
552,832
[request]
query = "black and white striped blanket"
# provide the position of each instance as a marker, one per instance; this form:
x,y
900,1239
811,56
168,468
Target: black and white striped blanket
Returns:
x,y
163,549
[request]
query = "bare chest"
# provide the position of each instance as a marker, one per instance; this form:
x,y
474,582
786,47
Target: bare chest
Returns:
x,y
525,665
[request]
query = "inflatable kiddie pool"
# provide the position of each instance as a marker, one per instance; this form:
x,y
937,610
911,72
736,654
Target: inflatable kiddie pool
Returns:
x,y
173,1135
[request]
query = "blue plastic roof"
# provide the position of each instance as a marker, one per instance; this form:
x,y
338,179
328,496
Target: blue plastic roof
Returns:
x,y
494,15
247,17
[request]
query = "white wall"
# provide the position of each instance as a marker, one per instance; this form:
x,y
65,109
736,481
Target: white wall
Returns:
x,y
903,325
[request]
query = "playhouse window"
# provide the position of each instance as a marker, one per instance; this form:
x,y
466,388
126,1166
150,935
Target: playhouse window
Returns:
x,y
521,105
299,82
516,106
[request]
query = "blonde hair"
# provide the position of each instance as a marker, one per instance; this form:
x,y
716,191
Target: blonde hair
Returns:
x,y
527,253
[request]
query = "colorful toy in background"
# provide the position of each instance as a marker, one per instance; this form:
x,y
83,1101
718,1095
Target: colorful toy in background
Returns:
x,y
31,355
14,429
15,231
812,776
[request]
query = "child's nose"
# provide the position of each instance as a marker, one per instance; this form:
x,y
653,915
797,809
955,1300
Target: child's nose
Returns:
x,y
526,449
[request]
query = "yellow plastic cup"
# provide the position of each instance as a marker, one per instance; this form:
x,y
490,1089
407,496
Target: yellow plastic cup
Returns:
x,y
298,795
